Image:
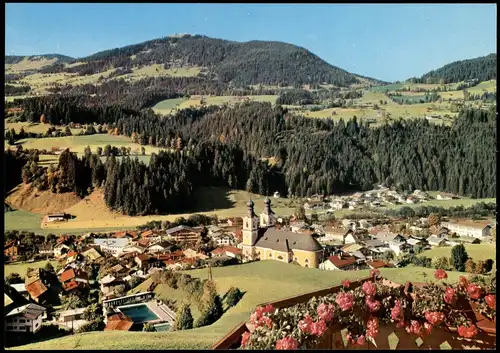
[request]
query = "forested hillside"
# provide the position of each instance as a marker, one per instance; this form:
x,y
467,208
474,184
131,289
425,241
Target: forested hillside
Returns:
x,y
481,69
241,64
225,145
14,59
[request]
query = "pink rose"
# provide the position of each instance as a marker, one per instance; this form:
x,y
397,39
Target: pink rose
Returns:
x,y
345,301
306,324
434,317
375,272
474,291
319,328
372,327
415,328
491,300
287,343
467,331
369,288
346,283
268,309
373,305
440,274
397,311
361,340
325,311
245,337
449,296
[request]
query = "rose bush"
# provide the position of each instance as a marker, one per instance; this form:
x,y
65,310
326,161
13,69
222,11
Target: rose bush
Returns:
x,y
363,309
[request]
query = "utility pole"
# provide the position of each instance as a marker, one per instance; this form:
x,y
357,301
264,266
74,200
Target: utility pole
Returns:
x,y
209,272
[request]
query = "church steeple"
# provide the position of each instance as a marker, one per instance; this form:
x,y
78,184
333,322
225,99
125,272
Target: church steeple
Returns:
x,y
267,217
250,226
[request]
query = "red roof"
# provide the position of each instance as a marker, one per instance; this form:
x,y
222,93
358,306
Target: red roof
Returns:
x,y
342,262
118,322
72,253
378,264
188,261
36,288
218,251
67,275
143,257
120,234
144,242
147,233
169,262
232,249
70,285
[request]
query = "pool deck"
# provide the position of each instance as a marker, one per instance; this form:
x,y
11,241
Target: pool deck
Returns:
x,y
162,311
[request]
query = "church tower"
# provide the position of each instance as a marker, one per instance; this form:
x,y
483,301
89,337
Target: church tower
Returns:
x,y
250,232
267,218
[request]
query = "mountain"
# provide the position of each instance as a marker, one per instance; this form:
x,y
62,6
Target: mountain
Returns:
x,y
15,64
237,63
14,59
483,68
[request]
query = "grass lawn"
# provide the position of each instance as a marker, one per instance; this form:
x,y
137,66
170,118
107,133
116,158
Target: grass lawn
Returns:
x,y
35,127
78,143
476,252
194,101
22,220
21,268
261,281
166,106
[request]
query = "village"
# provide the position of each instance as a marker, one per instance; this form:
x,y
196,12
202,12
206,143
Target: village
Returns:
x,y
100,270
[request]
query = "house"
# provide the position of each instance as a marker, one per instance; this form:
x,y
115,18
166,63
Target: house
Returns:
x,y
184,233
224,240
125,234
26,318
151,235
468,240
351,238
378,264
339,263
160,247
218,252
190,253
109,283
72,256
445,196
72,319
46,249
118,322
61,249
133,248
56,217
356,250
213,229
92,255
265,242
296,227
387,237
72,279
476,229
235,221
21,289
12,249
112,246
400,247
37,283
232,251
142,261
435,241
415,241
335,233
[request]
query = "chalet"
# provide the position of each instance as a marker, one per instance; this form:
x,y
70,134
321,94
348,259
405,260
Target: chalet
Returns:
x,y
109,283
142,261
415,241
184,233
56,217
476,229
111,246
224,240
133,248
21,289
213,229
37,290
61,249
356,250
339,263
26,318
351,238
435,241
151,235
218,252
468,240
400,247
445,196
46,249
387,237
378,264
12,249
73,279
125,234
232,251
72,318
92,255
335,233
160,247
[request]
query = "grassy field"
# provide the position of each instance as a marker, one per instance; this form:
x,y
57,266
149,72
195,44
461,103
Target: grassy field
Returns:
x,y
22,220
78,143
475,251
28,64
166,106
194,101
35,127
21,268
261,282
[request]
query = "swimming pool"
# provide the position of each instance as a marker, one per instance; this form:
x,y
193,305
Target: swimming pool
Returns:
x,y
139,313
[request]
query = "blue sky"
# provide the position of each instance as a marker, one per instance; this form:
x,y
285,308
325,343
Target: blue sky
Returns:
x,y
388,42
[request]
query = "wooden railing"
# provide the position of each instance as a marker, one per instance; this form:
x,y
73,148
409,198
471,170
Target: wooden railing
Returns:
x,y
389,337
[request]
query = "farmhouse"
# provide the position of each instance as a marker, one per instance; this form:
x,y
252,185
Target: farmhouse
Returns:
x,y
60,250
184,233
477,229
72,279
72,318
339,263
270,243
235,221
435,241
112,246
46,249
12,249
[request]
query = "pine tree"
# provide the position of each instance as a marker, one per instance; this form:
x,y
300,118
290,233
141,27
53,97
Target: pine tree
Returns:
x,y
459,257
184,319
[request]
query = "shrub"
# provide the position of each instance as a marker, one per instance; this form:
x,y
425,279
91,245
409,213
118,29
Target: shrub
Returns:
x,y
479,268
213,311
184,280
442,263
470,266
148,327
135,281
14,278
184,318
96,325
233,296
458,257
488,265
417,249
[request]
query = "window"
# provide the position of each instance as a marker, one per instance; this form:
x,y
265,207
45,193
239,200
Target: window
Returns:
x,y
280,257
270,256
306,265
307,260
22,321
295,258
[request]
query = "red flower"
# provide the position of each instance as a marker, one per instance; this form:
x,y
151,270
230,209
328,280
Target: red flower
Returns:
x,y
245,337
258,318
415,328
373,305
440,274
345,301
268,309
375,272
325,311
361,340
474,291
319,328
427,328
266,321
491,300
463,281
434,317
372,327
346,283
467,331
450,296
397,311
369,288
287,343
306,324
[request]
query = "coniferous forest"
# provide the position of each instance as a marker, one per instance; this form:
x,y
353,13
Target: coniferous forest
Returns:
x,y
228,146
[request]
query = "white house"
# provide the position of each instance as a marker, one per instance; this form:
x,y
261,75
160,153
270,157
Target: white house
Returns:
x,y
435,241
112,246
468,228
224,240
60,250
339,263
400,247
21,289
26,318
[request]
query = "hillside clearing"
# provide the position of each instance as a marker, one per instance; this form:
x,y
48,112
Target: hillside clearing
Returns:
x,y
22,268
262,281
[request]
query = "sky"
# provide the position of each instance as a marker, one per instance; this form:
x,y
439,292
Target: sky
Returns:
x,y
388,42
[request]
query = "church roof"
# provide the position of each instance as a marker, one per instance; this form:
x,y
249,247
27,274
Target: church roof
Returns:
x,y
285,241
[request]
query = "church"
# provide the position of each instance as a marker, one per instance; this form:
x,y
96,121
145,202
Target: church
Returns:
x,y
261,240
